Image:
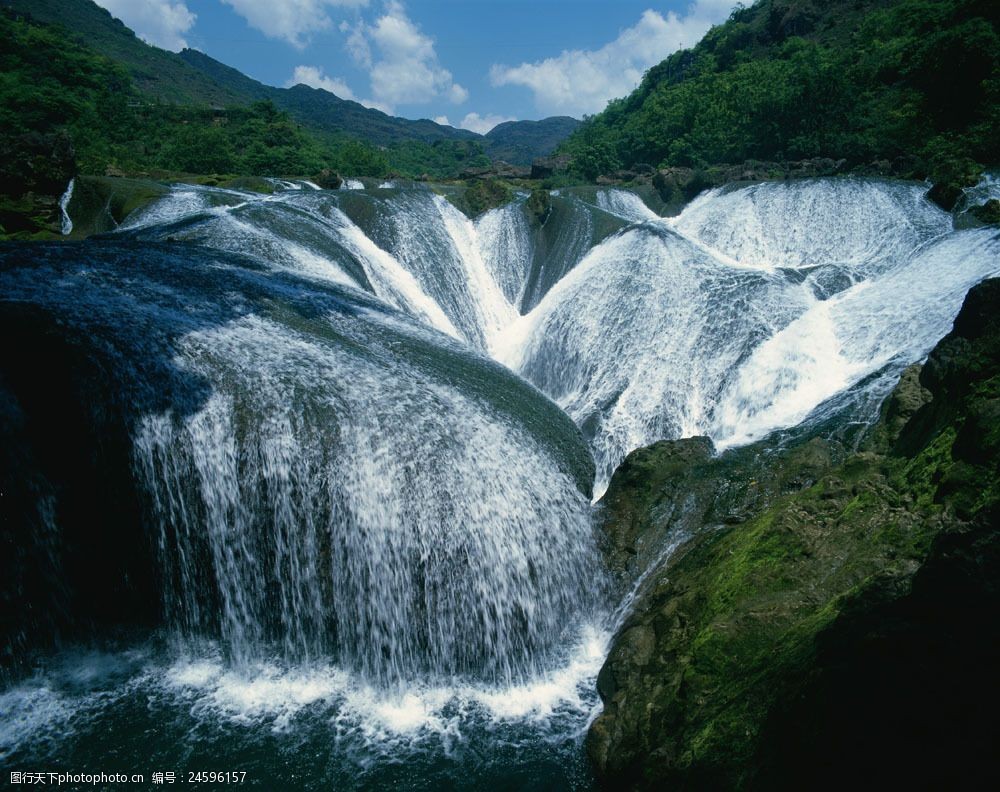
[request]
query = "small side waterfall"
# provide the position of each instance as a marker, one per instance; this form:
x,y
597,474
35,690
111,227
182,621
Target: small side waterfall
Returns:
x,y
67,223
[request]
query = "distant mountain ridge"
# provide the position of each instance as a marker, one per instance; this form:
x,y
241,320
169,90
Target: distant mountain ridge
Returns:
x,y
519,142
194,78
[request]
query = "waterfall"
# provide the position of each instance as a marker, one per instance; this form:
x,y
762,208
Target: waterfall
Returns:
x,y
747,312
67,222
338,483
642,328
359,433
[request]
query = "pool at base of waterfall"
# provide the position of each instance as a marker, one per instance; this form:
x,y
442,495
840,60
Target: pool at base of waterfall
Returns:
x,y
149,706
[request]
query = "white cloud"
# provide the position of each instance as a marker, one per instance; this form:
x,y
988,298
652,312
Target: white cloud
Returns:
x,y
483,124
374,105
578,82
443,120
314,77
159,22
401,62
290,20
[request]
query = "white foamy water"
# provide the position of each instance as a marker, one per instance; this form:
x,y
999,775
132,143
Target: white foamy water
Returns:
x,y
66,221
649,334
862,224
76,691
626,205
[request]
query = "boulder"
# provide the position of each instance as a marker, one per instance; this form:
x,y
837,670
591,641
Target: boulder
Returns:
x,y
544,167
988,212
328,179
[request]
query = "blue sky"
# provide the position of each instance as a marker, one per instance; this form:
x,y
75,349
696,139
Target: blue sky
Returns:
x,y
470,63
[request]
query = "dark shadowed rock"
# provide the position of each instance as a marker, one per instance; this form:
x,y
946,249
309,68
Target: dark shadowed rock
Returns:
x,y
328,179
544,167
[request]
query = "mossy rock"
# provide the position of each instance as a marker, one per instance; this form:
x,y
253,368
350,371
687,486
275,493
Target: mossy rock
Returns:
x,y
101,203
255,184
988,213
481,195
539,205
845,633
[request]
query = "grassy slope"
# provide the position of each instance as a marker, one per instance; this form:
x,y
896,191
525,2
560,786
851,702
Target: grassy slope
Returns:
x,y
845,633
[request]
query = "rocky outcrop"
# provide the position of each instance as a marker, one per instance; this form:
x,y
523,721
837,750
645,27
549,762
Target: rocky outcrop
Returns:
x,y
539,205
663,494
481,195
842,633
945,195
988,213
328,180
678,184
544,167
499,169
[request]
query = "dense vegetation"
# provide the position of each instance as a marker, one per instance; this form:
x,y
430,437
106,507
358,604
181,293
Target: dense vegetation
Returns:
x,y
192,78
913,82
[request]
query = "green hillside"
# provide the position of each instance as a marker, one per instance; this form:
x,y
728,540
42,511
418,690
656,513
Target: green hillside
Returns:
x,y
193,78
156,73
915,83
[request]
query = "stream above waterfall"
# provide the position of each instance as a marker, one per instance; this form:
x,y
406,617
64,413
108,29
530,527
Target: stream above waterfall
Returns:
x,y
305,484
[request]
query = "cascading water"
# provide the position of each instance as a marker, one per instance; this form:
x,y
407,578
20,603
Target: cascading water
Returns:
x,y
748,312
66,223
361,524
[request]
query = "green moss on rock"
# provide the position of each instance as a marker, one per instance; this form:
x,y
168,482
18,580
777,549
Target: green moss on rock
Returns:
x,y
845,633
482,195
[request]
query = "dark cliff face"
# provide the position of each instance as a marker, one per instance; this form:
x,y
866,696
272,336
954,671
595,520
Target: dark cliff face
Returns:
x,y
831,622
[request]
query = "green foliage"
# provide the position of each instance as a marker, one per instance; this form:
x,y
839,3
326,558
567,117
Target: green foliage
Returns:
x,y
440,159
484,194
916,81
539,205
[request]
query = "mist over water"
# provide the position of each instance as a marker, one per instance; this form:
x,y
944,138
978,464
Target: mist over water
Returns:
x,y
373,535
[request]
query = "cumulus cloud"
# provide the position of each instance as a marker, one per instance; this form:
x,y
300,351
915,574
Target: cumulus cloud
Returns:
x,y
159,22
401,62
443,120
290,20
314,77
579,82
483,124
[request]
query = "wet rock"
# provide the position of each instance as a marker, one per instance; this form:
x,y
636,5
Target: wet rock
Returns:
x,y
945,195
328,179
988,212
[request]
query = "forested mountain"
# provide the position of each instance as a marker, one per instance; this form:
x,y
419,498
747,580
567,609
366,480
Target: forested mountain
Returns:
x,y
192,78
912,82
